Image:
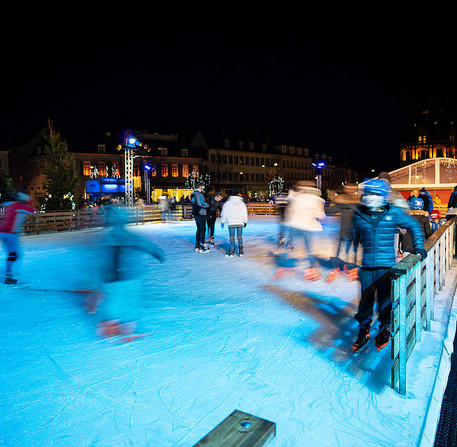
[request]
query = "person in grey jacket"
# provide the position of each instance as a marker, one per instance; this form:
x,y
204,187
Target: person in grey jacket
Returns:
x,y
199,206
376,223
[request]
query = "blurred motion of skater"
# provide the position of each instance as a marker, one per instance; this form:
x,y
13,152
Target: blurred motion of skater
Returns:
x,y
302,219
122,277
15,213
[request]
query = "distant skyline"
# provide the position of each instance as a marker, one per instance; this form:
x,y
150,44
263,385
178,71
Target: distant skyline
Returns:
x,y
345,93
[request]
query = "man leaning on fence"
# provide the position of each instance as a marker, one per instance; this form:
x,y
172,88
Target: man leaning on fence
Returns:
x,y
376,223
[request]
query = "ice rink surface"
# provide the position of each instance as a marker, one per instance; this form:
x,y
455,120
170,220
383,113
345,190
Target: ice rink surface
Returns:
x,y
224,335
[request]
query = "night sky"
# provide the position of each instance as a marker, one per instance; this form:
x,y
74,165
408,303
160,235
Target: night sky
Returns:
x,y
345,91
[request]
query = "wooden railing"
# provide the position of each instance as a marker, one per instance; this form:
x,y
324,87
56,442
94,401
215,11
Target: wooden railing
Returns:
x,y
415,284
71,220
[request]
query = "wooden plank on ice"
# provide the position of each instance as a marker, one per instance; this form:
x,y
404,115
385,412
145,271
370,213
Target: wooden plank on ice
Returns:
x,y
240,429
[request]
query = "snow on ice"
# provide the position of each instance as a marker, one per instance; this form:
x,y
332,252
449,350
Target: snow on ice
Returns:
x,y
223,335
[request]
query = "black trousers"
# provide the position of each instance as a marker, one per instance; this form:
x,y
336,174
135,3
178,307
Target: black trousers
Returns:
x,y
211,221
375,286
201,229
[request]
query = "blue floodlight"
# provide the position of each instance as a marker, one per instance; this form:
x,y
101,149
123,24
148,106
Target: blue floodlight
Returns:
x,y
321,164
132,142
147,167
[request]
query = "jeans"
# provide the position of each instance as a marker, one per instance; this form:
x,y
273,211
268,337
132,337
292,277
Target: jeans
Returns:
x,y
211,220
239,235
11,243
297,234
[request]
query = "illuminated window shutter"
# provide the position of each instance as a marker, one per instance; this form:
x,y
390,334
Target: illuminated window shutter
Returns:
x,y
86,167
164,170
174,171
185,170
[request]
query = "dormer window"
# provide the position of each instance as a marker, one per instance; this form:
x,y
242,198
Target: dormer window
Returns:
x,y
101,148
227,143
240,145
184,152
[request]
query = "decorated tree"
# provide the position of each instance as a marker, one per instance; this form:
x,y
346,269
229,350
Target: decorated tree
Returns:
x,y
60,179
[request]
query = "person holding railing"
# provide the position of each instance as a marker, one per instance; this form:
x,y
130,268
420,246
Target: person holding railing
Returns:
x,y
376,223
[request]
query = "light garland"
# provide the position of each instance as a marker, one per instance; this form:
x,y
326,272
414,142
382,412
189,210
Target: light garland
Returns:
x,y
275,186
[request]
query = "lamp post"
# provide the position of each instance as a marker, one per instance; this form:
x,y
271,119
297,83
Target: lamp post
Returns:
x,y
130,144
147,184
319,165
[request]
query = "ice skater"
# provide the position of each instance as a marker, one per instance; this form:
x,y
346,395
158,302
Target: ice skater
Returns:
x,y
422,217
122,277
235,215
15,214
375,226
199,207
302,218
214,208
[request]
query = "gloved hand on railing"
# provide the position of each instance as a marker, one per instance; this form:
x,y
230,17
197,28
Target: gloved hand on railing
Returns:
x,y
422,253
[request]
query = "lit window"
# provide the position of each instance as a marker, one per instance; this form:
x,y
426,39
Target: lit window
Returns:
x,y
102,168
136,170
86,167
115,169
174,170
164,170
195,170
185,170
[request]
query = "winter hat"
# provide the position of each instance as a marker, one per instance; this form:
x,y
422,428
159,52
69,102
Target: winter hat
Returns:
x,y
416,204
234,192
435,214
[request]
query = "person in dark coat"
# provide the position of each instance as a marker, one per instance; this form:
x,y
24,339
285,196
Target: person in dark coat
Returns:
x,y
213,210
199,207
452,203
422,218
375,226
428,200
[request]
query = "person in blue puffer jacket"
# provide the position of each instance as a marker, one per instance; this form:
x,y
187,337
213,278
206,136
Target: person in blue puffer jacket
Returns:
x,y
376,223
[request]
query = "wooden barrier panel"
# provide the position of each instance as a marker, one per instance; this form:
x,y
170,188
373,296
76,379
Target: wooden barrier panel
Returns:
x,y
414,286
240,429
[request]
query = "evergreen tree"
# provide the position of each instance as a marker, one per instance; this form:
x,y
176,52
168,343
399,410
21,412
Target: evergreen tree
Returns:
x,y
60,179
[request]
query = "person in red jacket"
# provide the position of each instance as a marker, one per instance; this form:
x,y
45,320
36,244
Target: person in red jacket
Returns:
x,y
11,225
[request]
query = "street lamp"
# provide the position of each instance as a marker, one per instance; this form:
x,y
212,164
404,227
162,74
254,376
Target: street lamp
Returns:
x,y
319,165
147,185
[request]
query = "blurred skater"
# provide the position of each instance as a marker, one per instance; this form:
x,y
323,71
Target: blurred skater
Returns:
x,y
122,277
375,226
235,215
302,218
282,201
213,211
15,213
345,204
199,207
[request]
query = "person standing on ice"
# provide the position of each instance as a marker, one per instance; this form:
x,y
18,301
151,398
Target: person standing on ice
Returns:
x,y
235,215
199,207
11,225
376,223
302,217
214,207
121,276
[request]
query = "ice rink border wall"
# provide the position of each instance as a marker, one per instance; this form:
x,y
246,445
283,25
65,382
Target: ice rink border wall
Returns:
x,y
415,284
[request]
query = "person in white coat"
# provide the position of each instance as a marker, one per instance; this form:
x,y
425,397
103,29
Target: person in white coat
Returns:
x,y
302,218
235,215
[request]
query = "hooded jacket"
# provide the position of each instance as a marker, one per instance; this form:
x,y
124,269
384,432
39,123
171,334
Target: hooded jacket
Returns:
x,y
304,210
199,204
234,211
376,232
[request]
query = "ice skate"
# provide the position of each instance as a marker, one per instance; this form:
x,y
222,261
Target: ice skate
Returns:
x,y
230,253
210,240
311,274
383,337
240,251
204,248
282,271
362,339
10,280
352,274
111,328
333,274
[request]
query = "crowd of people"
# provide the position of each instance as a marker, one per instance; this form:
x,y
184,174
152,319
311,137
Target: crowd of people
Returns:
x,y
373,217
